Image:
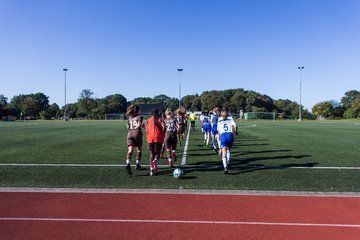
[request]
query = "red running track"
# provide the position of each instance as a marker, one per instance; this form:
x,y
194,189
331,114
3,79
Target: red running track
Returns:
x,y
49,215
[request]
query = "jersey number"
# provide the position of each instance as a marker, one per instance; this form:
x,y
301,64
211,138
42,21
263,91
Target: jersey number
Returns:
x,y
134,124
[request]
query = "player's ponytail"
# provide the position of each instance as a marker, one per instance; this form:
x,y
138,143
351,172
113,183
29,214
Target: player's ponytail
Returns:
x,y
132,110
155,113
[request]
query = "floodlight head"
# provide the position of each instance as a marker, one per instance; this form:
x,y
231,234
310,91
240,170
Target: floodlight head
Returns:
x,y
300,68
65,69
180,69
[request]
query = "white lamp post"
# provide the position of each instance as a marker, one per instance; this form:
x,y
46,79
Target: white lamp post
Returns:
x,y
65,70
300,68
180,70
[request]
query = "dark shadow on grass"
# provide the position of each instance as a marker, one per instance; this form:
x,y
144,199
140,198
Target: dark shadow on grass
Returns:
x,y
252,168
245,165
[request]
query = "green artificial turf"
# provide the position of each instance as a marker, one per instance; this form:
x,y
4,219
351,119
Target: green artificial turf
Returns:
x,y
263,157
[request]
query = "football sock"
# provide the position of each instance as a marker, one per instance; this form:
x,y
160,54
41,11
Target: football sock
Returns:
x,y
224,162
138,156
128,155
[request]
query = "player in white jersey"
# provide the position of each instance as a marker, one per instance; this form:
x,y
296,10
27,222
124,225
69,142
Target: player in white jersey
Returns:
x,y
226,126
214,132
202,122
206,126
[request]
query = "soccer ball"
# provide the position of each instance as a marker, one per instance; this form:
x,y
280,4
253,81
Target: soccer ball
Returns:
x,y
178,173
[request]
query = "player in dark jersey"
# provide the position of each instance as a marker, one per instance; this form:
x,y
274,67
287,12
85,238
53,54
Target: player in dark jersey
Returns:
x,y
171,127
134,136
181,123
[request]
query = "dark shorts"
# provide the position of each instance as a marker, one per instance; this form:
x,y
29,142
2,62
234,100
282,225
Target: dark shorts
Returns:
x,y
155,147
135,138
171,141
192,123
181,129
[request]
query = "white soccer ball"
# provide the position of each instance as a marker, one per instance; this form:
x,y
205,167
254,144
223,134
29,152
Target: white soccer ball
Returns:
x,y
178,173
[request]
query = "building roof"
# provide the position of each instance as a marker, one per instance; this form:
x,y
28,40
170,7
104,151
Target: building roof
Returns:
x,y
147,108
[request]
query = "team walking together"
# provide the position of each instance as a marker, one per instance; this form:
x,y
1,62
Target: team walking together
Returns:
x,y
166,131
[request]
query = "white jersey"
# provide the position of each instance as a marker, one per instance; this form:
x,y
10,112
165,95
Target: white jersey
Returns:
x,y
225,125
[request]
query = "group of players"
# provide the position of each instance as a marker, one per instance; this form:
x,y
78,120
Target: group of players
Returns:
x,y
165,131
162,131
220,126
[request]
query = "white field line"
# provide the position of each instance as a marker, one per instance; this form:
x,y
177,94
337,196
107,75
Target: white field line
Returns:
x,y
65,165
246,126
183,163
285,224
183,160
181,191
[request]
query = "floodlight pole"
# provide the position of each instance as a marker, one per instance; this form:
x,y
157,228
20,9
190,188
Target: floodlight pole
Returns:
x,y
300,68
65,70
180,70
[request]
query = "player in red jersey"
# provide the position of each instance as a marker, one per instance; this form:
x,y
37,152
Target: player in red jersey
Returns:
x,y
155,133
134,136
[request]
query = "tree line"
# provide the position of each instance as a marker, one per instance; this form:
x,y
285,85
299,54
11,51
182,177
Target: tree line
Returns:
x,y
37,106
348,107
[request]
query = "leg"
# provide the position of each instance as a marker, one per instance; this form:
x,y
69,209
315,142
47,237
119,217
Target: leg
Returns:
x,y
168,154
224,160
138,158
128,160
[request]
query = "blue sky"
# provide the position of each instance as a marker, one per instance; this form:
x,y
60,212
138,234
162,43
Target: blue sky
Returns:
x,y
134,47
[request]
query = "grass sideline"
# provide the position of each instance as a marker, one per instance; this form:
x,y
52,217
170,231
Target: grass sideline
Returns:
x,y
262,157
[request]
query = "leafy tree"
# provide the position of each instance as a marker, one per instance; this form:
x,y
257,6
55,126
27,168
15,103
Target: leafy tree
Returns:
x,y
173,104
253,103
16,105
143,100
285,107
350,113
71,110
42,101
324,109
3,100
114,104
187,101
356,106
339,111
86,104
196,104
51,112
29,105
163,99
349,98
3,104
212,99
238,101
